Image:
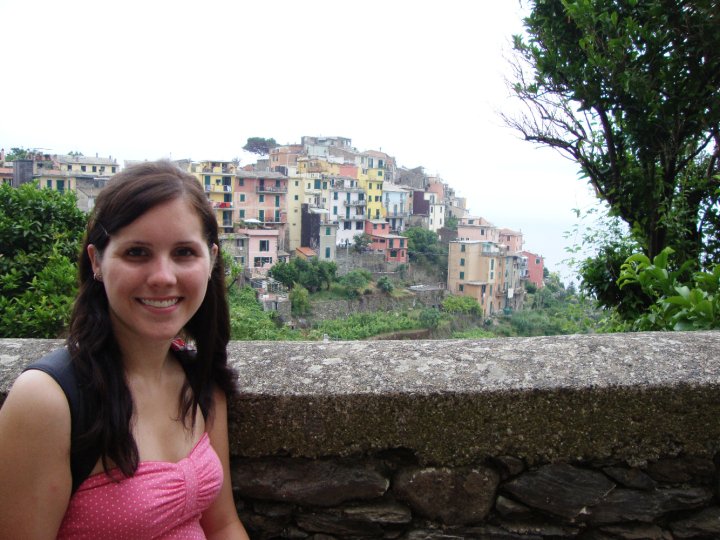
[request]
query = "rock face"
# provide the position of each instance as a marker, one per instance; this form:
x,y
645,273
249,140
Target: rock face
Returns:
x,y
453,496
607,437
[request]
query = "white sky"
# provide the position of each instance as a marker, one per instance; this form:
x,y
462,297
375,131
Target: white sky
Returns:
x,y
421,80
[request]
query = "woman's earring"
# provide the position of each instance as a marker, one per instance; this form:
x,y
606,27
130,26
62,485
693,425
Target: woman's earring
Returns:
x,y
97,276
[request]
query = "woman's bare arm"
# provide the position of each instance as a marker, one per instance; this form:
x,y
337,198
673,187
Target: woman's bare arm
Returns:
x,y
34,458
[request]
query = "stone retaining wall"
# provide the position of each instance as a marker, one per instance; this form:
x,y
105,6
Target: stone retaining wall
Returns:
x,y
595,437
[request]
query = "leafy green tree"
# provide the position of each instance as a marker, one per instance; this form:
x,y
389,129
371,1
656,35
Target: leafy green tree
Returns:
x,y
300,300
356,281
18,153
285,273
678,305
461,304
361,242
40,234
248,320
430,318
385,285
260,145
425,248
630,90
451,222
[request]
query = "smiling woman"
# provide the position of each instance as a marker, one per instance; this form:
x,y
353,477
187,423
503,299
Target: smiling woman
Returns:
x,y
149,273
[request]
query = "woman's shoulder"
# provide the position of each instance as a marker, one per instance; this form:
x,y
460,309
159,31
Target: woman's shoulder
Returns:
x,y
38,397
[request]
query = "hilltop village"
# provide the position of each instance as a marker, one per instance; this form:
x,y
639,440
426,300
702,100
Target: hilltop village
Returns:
x,y
323,198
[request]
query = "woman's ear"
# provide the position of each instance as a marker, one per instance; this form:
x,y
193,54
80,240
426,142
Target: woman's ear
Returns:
x,y
94,255
213,256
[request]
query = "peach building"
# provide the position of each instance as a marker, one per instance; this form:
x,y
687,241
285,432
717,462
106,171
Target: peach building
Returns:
x,y
475,269
535,268
393,246
261,198
512,239
477,228
261,249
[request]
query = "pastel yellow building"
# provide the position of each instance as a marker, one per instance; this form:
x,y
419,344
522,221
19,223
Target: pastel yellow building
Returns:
x,y
217,178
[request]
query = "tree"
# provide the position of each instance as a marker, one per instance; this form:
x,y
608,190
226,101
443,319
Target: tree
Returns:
x,y
299,300
259,145
361,242
630,90
40,233
385,285
18,153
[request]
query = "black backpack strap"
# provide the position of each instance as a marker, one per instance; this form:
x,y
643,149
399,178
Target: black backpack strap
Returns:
x,y
59,366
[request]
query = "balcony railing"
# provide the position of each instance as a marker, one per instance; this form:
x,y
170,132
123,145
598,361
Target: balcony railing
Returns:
x,y
355,203
223,205
270,189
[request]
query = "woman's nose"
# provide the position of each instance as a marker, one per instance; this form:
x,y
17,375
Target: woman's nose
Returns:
x,y
162,272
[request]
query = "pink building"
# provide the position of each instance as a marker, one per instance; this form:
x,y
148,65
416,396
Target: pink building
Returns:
x,y
261,249
512,239
393,246
261,197
477,228
283,159
535,268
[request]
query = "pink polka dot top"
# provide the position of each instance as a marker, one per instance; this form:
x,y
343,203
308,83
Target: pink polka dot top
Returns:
x,y
162,500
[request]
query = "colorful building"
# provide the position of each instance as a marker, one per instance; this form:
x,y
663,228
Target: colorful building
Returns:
x,y
392,246
535,268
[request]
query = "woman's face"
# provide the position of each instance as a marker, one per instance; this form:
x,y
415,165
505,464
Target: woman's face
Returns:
x,y
155,272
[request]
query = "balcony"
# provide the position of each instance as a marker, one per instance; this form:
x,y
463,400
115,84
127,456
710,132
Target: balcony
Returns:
x,y
397,214
223,205
268,189
355,203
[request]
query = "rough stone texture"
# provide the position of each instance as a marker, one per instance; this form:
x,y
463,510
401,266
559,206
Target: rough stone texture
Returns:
x,y
682,470
322,483
561,490
630,478
454,496
634,411
647,506
703,524
637,532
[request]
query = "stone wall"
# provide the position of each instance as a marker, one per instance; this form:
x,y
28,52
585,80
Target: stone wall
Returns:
x,y
595,437
323,310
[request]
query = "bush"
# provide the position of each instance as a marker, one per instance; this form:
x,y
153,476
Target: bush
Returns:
x,y
461,304
300,300
385,285
40,234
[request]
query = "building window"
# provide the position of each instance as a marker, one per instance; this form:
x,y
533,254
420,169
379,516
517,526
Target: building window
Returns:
x,y
277,201
374,226
262,198
264,245
335,195
242,197
461,287
327,231
94,168
390,243
262,261
297,183
240,242
358,225
113,169
327,252
537,261
49,184
462,262
393,254
277,183
261,215
83,168
347,225
277,216
241,181
242,214
335,210
296,197
462,275
462,248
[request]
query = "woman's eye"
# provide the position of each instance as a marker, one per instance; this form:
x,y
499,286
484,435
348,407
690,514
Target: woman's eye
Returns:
x,y
185,252
136,252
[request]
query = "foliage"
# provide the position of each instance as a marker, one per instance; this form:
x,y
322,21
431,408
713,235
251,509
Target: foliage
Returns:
x,y
232,268
678,305
40,233
356,282
364,325
299,300
18,153
75,153
248,321
461,304
451,222
385,285
629,90
310,273
361,242
430,318
530,287
425,249
260,145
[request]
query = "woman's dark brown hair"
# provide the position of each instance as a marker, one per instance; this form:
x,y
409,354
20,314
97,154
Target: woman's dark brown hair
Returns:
x,y
92,345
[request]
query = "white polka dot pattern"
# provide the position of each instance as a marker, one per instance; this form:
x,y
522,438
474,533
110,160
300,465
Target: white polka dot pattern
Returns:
x,y
162,501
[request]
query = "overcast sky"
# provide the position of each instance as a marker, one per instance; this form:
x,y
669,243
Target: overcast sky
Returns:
x,y
421,80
